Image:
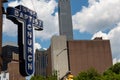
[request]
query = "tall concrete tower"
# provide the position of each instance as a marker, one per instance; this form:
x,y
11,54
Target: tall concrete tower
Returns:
x,y
65,19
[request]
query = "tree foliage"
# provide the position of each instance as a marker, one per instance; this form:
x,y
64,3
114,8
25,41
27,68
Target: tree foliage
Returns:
x,y
37,78
115,68
110,75
90,74
53,77
113,73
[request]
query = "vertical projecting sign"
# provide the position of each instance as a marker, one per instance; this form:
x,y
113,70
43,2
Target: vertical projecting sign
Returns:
x,y
27,21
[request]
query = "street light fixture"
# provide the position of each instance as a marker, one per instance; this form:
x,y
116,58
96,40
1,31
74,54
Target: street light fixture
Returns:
x,y
61,51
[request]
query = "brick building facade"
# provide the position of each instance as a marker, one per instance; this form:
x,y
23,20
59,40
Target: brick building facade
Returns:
x,y
81,55
85,54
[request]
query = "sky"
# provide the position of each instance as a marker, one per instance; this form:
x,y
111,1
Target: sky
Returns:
x,y
91,18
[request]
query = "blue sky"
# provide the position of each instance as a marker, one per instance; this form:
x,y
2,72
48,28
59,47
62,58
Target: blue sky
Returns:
x,y
91,18
75,7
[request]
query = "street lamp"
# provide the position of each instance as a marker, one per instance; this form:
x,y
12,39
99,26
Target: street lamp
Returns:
x,y
61,51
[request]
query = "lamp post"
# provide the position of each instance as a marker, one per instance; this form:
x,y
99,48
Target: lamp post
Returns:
x,y
57,60
61,51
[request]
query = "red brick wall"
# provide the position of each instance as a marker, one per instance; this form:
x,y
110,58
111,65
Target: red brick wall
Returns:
x,y
49,63
13,69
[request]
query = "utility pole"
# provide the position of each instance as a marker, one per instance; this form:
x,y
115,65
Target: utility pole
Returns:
x,y
0,34
1,22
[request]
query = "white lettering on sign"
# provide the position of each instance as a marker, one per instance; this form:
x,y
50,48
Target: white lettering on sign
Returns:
x,y
29,42
30,66
21,15
16,13
29,27
29,34
30,58
29,50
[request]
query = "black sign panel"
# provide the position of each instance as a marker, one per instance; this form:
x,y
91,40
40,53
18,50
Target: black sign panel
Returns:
x,y
27,21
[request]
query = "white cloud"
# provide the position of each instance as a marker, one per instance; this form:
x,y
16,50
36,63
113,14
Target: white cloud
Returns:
x,y
116,60
45,48
100,34
9,28
92,2
115,41
37,46
99,15
45,10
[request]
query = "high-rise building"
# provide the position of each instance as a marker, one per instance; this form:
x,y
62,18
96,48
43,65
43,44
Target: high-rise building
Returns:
x,y
40,62
11,61
7,55
65,19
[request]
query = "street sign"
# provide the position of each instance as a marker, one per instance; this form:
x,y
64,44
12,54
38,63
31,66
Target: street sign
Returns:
x,y
27,21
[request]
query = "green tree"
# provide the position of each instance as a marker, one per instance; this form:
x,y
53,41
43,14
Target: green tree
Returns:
x,y
44,78
51,77
90,74
37,78
115,68
110,75
113,73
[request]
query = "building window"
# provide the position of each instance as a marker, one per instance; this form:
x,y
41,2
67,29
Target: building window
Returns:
x,y
4,75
